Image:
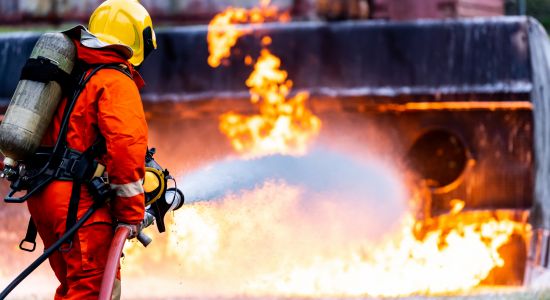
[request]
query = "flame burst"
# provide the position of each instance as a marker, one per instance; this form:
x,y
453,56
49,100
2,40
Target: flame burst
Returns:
x,y
223,30
270,242
284,124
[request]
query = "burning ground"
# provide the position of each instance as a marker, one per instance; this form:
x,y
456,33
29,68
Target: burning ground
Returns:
x,y
323,225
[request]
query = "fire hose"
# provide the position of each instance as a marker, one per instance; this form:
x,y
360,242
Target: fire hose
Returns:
x,y
115,252
113,261
68,235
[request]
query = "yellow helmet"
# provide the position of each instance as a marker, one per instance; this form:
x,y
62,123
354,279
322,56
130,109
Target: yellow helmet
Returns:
x,y
125,22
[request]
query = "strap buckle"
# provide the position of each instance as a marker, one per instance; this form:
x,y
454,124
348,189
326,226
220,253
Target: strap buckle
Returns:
x,y
29,242
76,166
65,166
24,243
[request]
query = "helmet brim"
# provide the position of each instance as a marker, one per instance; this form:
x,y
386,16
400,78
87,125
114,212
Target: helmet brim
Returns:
x,y
89,40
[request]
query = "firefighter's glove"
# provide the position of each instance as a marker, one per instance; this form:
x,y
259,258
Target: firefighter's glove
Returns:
x,y
134,229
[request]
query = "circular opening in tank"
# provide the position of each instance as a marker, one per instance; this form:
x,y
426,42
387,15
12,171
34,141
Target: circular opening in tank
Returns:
x,y
439,157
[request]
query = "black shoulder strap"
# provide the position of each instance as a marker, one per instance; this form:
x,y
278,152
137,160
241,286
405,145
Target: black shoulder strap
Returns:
x,y
122,68
42,69
61,143
91,153
72,212
30,237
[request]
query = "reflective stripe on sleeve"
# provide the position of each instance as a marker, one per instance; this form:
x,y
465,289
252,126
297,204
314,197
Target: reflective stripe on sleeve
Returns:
x,y
129,189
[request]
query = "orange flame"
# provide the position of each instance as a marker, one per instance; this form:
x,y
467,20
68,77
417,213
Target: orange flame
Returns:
x,y
402,266
457,206
223,30
262,243
284,125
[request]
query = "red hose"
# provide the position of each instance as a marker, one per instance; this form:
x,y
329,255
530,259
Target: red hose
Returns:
x,y
113,261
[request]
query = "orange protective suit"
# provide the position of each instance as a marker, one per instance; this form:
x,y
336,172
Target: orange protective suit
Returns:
x,y
109,105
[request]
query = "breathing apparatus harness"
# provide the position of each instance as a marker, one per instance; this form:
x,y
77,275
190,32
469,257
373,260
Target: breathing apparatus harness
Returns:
x,y
60,162
64,163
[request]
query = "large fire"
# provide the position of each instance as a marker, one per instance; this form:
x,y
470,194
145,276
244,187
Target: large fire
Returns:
x,y
264,242
278,240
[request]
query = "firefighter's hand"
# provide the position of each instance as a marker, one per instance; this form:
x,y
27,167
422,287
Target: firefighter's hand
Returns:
x,y
134,229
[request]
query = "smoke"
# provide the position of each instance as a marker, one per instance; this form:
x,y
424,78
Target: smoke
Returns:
x,y
370,189
249,226
251,223
321,171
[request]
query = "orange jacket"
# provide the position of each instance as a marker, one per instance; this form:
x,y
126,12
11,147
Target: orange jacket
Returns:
x,y
110,105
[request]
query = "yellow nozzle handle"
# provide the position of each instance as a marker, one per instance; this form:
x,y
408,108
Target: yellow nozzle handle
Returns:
x,y
99,170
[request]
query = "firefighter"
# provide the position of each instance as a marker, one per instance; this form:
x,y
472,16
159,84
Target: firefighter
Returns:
x,y
107,115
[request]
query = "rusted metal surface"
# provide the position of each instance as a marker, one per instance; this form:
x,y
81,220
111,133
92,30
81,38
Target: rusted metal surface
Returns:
x,y
200,11
15,11
356,58
349,59
435,9
344,9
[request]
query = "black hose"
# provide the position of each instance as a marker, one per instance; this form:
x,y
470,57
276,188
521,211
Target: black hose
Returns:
x,y
71,102
47,253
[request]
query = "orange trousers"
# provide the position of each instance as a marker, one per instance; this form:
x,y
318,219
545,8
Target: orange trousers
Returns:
x,y
80,269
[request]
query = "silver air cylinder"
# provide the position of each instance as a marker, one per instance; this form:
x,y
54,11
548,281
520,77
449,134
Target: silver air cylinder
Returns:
x,y
34,103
